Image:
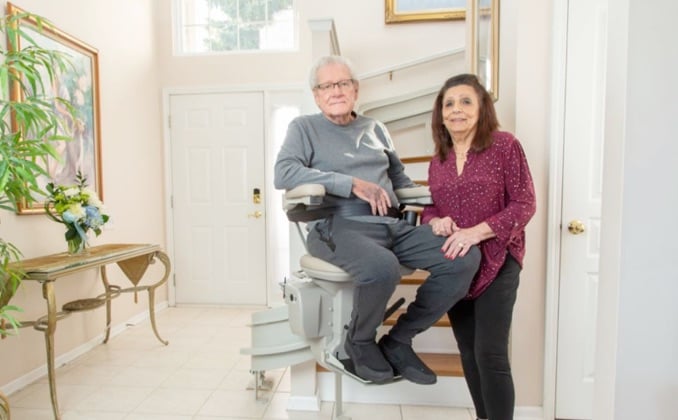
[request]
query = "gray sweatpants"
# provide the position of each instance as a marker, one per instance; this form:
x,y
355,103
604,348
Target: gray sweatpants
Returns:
x,y
372,254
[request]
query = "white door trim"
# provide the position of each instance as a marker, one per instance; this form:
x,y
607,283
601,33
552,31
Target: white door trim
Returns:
x,y
555,188
269,208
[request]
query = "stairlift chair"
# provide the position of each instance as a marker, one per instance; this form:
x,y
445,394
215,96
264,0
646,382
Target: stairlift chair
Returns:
x,y
318,300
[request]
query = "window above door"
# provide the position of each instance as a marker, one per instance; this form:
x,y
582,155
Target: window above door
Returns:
x,y
227,26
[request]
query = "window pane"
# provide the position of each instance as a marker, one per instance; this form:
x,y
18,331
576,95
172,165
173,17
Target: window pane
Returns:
x,y
223,38
249,36
235,25
253,10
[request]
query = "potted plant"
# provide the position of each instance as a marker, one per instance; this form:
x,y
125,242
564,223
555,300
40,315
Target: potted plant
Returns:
x,y
29,125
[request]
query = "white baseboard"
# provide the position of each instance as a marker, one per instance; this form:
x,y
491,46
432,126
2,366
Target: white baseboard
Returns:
x,y
41,371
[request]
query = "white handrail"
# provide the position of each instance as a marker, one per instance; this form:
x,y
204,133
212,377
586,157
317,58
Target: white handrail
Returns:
x,y
408,64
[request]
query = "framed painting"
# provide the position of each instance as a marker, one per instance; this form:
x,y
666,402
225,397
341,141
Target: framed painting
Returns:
x,y
79,86
398,11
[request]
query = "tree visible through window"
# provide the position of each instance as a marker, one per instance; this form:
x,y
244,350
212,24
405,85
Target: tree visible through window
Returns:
x,y
205,26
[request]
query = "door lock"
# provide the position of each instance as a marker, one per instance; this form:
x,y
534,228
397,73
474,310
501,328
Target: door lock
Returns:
x,y
256,196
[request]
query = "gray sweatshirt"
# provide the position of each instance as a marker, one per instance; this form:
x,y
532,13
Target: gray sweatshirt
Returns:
x,y
317,151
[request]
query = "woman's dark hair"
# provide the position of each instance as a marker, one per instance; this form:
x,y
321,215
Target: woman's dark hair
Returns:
x,y
487,117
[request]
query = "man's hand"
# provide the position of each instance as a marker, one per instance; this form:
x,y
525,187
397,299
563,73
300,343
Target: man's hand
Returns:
x,y
444,226
373,194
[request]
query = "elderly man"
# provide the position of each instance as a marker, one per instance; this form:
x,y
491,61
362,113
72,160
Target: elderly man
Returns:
x,y
354,158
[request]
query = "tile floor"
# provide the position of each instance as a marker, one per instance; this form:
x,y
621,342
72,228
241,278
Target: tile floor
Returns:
x,y
201,375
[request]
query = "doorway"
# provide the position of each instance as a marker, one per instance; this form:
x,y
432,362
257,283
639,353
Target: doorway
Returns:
x,y
575,261
229,242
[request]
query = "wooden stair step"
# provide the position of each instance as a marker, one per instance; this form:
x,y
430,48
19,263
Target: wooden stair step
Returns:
x,y
417,277
444,321
443,364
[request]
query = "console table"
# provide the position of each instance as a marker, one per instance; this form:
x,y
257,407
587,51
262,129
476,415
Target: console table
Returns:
x,y
133,260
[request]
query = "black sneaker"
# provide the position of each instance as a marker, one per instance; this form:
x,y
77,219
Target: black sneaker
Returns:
x,y
369,361
405,362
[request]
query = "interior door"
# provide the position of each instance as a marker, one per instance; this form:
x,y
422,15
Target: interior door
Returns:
x,y
218,220
582,184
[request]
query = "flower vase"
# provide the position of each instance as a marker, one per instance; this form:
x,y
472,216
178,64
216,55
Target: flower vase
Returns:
x,y
76,246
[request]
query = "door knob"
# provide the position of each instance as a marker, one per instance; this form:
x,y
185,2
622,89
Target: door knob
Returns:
x,y
257,214
576,227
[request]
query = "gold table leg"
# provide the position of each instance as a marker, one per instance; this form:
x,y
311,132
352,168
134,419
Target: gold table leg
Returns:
x,y
134,269
48,294
151,293
107,288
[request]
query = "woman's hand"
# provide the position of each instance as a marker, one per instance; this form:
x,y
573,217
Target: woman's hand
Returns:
x,y
443,226
461,240
378,198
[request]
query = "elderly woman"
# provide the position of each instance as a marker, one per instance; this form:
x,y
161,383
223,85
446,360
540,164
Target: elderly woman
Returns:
x,y
483,195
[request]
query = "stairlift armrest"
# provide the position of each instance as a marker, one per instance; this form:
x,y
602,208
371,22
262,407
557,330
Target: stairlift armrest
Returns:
x,y
415,196
305,194
312,194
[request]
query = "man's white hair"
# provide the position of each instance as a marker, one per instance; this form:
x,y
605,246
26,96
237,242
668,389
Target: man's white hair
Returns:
x,y
328,60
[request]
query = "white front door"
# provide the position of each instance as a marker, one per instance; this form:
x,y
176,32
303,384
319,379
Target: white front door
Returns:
x,y
219,228
581,204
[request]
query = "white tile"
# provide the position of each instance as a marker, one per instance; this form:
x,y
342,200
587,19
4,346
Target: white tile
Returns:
x,y
418,412
142,376
148,416
208,359
31,413
89,375
195,378
69,396
115,399
233,403
91,415
174,401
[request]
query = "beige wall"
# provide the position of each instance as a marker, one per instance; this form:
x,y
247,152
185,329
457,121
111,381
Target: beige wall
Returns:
x,y
131,138
134,41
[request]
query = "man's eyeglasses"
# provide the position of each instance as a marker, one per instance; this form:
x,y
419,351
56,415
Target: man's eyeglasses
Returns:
x,y
342,84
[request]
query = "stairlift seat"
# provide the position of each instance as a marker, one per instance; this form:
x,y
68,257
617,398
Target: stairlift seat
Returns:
x,y
321,269
315,267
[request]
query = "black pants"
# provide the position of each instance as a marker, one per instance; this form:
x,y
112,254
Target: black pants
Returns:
x,y
481,328
372,254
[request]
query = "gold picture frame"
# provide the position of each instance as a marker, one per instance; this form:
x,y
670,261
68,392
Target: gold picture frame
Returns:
x,y
399,11
482,17
79,85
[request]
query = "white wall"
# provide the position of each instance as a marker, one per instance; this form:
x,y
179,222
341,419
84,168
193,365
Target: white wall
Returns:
x,y
637,353
122,31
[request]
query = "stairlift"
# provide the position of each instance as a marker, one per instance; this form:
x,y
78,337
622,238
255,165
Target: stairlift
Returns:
x,y
318,301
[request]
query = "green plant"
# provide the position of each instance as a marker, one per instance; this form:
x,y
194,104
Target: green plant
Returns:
x,y
29,125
